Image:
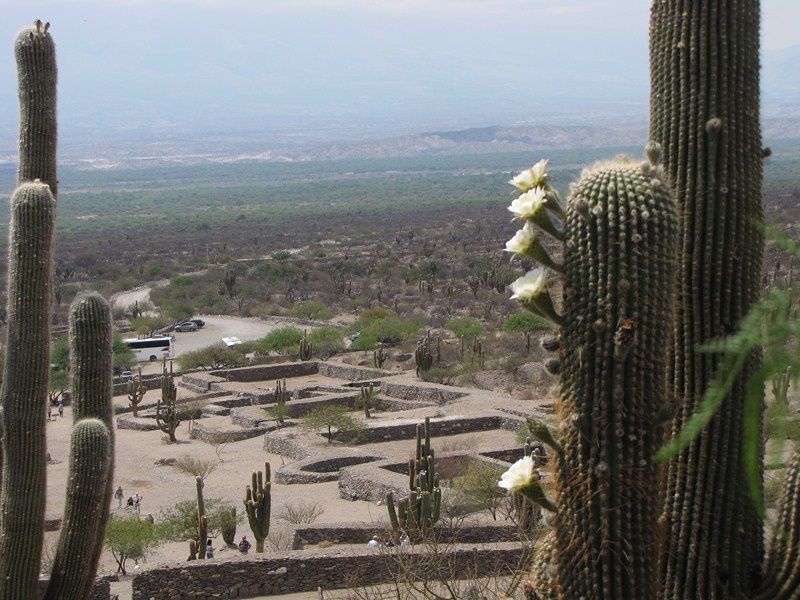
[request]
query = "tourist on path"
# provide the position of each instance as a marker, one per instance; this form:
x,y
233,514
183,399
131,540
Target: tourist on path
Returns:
x,y
244,545
119,495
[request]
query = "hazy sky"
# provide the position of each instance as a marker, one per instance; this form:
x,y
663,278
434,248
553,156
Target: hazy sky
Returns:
x,y
210,65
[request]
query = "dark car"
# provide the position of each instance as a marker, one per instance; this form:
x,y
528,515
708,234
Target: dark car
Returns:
x,y
187,326
199,322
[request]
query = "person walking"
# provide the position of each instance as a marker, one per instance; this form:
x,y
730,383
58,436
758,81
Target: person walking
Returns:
x,y
119,495
209,549
60,409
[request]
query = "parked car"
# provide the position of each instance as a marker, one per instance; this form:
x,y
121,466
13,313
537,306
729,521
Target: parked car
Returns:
x,y
187,326
199,322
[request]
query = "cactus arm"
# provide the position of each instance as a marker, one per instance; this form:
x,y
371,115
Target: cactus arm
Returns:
x,y
35,54
705,114
91,365
89,470
25,383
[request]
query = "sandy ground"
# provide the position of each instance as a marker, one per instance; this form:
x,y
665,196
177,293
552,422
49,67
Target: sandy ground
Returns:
x,y
161,487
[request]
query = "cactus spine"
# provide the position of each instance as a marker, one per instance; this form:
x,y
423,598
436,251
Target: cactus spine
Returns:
x,y
167,417
136,391
26,370
257,504
202,521
705,114
416,514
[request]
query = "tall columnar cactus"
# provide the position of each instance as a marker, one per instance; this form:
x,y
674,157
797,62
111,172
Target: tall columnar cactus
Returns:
x,y
705,114
136,392
423,356
620,235
26,369
37,74
257,505
202,520
306,349
167,417
366,398
379,357
417,513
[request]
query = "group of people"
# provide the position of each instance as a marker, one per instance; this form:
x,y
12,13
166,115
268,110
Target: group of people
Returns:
x,y
133,502
377,542
57,405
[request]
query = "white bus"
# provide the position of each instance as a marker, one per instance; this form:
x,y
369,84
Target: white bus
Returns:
x,y
151,349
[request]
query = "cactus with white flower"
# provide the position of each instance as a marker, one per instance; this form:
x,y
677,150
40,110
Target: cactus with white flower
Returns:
x,y
617,275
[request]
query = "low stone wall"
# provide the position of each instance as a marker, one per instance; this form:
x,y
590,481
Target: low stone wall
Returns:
x,y
318,469
294,572
439,427
285,443
351,373
425,392
149,382
268,372
211,435
361,533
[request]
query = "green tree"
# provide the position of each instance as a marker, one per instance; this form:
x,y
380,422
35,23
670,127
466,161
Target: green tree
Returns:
x,y
327,341
465,327
526,323
332,417
130,539
124,357
147,326
313,309
281,340
217,356
478,483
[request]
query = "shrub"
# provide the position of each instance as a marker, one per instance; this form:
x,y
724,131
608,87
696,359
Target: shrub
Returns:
x,y
195,467
217,356
327,341
179,522
282,255
373,314
386,330
479,485
466,326
281,340
183,280
300,513
313,309
524,323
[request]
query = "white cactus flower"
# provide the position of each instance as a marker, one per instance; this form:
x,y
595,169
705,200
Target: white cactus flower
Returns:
x,y
530,285
529,204
522,240
531,178
519,475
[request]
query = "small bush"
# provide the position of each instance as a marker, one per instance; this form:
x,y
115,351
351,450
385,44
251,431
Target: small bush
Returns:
x,y
466,326
300,513
217,356
281,340
327,341
313,309
525,323
333,416
386,330
282,255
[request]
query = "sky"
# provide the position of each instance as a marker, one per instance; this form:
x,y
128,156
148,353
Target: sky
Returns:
x,y
344,67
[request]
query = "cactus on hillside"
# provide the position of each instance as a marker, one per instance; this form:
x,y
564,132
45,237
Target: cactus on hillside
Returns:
x,y
167,417
416,514
379,356
257,504
705,114
620,234
26,368
423,355
366,399
136,392
306,348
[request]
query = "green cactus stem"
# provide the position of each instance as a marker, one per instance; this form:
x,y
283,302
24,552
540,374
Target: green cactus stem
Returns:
x,y
366,399
35,53
705,115
25,383
417,513
257,504
379,357
167,417
136,392
423,356
306,348
617,309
